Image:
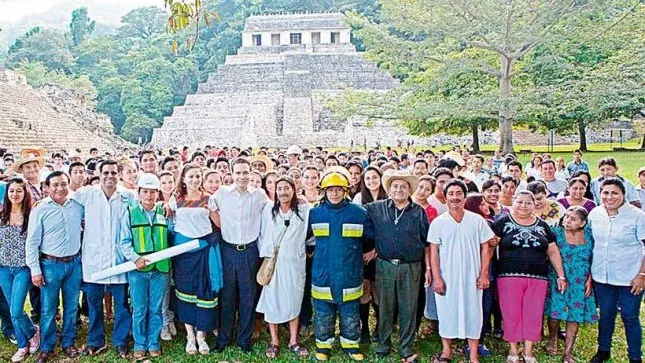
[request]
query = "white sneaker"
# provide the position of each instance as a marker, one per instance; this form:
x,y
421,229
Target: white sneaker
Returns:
x,y
528,359
165,334
191,348
34,342
20,355
172,329
203,346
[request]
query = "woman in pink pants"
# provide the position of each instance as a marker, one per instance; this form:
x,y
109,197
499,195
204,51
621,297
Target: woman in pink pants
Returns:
x,y
526,242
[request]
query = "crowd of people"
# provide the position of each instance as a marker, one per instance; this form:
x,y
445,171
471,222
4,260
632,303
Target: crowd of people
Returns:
x,y
468,247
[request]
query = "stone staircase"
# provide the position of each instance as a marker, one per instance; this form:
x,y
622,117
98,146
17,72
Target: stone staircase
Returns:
x,y
268,100
27,119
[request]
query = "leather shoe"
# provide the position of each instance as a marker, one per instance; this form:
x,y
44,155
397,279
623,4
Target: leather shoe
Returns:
x,y
246,349
122,352
92,351
43,357
71,352
218,348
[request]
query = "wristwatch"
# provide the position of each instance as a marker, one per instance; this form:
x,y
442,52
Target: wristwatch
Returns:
x,y
562,278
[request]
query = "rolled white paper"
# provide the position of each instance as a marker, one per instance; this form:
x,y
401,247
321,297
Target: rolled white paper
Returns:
x,y
152,258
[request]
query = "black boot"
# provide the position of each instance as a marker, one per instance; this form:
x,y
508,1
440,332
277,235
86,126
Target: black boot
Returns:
x,y
635,360
601,357
364,311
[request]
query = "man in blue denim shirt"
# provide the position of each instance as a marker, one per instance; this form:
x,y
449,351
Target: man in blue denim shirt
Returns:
x,y
53,255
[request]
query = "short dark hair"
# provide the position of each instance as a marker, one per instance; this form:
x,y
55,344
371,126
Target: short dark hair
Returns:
x,y
448,163
240,161
455,182
515,163
608,161
144,152
442,171
480,157
547,161
489,184
420,161
106,163
577,151
507,179
613,181
536,187
93,149
75,164
55,174
167,160
196,154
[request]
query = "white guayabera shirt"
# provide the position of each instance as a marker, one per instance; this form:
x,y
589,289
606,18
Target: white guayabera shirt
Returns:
x,y
102,231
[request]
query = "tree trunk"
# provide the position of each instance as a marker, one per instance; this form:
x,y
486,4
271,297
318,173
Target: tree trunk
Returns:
x,y
583,135
506,113
475,131
643,143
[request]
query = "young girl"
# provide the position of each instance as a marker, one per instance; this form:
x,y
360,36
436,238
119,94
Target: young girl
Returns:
x,y
577,304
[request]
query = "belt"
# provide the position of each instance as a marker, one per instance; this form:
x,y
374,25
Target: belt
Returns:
x,y
45,256
243,247
395,261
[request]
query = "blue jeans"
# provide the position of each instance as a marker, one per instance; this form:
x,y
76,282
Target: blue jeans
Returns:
x,y
610,298
5,317
325,325
147,290
15,283
65,278
122,317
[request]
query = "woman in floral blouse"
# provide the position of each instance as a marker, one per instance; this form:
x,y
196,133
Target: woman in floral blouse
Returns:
x,y
15,277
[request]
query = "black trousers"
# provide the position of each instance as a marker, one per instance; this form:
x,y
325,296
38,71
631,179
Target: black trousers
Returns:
x,y
238,294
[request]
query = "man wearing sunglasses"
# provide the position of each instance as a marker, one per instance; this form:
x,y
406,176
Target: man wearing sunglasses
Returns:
x,y
104,205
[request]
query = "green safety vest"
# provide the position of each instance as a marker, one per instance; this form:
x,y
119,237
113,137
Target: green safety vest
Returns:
x,y
148,238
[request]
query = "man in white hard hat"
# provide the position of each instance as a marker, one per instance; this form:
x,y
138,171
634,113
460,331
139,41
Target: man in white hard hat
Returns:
x,y
144,230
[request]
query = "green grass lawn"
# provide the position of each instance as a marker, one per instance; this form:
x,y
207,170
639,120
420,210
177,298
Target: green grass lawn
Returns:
x,y
174,351
628,161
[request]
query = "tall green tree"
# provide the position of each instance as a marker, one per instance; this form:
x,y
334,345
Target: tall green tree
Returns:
x,y
143,23
413,34
50,47
81,26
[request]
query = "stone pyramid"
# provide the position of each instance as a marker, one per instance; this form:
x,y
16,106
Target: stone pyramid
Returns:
x,y
52,117
266,94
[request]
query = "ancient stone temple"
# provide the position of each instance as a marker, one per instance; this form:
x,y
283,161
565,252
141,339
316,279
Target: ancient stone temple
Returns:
x,y
52,116
268,94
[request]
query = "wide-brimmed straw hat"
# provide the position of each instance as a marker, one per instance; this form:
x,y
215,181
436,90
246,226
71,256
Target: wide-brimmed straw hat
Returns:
x,y
453,155
27,155
268,163
391,175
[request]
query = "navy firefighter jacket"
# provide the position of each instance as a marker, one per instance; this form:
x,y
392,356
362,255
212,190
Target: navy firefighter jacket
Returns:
x,y
337,270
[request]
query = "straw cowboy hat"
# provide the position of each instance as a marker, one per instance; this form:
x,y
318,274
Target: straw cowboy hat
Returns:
x,y
391,175
28,155
268,163
453,155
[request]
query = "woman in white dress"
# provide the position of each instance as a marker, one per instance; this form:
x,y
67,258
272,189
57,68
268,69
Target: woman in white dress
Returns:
x,y
198,273
284,223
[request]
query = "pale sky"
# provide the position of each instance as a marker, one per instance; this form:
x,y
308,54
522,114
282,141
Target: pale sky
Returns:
x,y
14,10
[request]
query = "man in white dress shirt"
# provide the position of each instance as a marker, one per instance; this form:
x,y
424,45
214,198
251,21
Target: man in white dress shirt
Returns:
x,y
240,214
104,205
